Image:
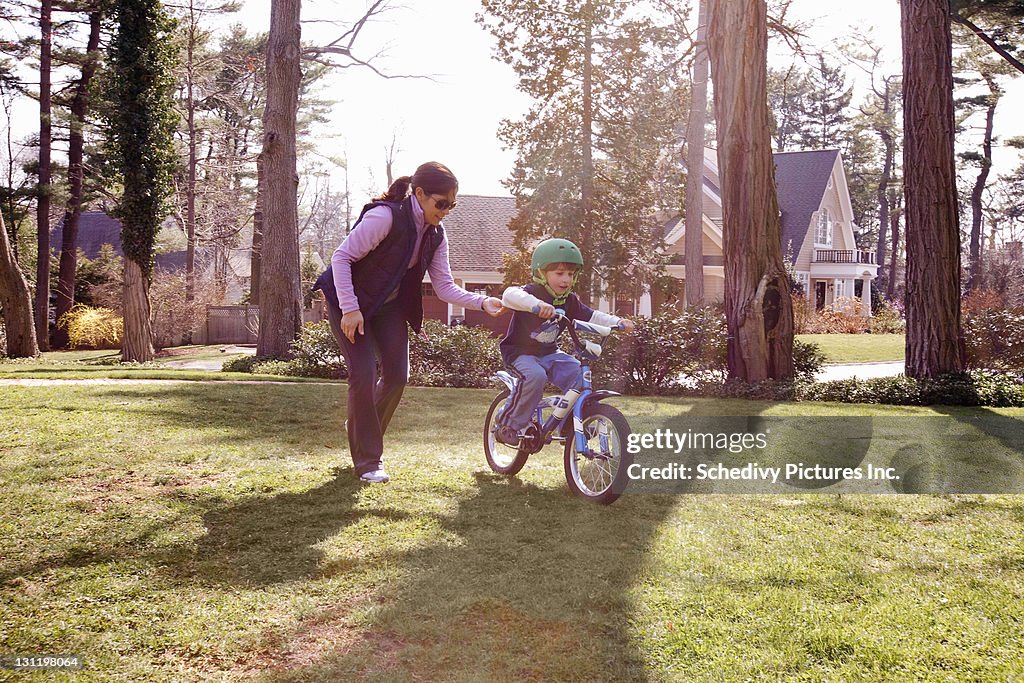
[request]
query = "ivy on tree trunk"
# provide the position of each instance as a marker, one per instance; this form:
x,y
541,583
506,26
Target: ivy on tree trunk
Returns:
x,y
141,128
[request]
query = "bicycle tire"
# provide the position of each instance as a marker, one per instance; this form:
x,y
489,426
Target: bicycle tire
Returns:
x,y
501,458
600,479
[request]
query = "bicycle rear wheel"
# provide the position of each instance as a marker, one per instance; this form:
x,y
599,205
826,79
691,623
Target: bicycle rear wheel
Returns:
x,y
503,459
600,473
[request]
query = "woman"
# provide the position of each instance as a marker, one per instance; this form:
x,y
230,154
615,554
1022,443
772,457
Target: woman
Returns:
x,y
373,289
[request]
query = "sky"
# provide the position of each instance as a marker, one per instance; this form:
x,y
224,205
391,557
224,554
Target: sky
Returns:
x,y
453,115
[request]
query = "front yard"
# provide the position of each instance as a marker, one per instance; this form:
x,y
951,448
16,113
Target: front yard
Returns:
x,y
215,532
858,348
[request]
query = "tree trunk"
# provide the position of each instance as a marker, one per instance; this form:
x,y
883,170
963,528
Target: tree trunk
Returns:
x,y
255,258
190,182
15,303
694,239
894,228
42,301
73,212
588,289
137,342
934,336
977,218
280,299
883,186
758,307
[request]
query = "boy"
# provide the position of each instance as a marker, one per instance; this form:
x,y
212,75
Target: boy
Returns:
x,y
529,348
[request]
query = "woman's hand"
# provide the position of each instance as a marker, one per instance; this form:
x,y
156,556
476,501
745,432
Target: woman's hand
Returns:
x,y
493,307
352,323
627,325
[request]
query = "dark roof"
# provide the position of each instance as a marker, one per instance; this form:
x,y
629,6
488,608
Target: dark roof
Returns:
x,y
801,179
478,232
96,228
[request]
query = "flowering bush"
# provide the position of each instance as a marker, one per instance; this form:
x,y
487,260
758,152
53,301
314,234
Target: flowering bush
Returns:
x,y
844,315
92,328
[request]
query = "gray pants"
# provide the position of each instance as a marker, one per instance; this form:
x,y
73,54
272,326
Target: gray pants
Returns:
x,y
373,397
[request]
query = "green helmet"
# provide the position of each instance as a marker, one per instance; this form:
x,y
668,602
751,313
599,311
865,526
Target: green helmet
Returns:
x,y
550,251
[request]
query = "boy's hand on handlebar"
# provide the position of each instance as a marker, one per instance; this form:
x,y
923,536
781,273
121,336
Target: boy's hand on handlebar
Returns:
x,y
626,325
545,311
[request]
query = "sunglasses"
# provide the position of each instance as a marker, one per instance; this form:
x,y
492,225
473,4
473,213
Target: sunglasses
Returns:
x,y
443,204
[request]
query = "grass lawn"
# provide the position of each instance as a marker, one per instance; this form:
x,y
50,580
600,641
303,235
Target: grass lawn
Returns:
x,y
214,531
858,348
105,364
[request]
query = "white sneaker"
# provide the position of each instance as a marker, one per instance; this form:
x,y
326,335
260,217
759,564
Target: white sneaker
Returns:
x,y
375,477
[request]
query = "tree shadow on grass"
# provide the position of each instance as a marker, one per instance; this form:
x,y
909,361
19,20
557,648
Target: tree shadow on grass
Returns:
x,y
967,451
536,588
269,540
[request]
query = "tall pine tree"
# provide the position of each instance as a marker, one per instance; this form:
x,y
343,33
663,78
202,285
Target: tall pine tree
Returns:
x,y
605,89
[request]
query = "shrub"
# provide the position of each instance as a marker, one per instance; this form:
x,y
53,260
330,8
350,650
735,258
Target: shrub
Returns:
x,y
887,320
174,318
92,328
3,339
807,359
662,349
316,352
844,315
977,388
242,364
995,338
460,356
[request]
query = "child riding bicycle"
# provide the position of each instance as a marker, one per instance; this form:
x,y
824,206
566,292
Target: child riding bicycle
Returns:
x,y
530,347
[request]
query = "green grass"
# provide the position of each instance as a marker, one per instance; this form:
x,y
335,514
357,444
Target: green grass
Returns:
x,y
105,364
858,348
189,531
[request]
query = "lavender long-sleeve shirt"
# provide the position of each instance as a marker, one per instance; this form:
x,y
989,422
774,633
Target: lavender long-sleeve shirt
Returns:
x,y
364,238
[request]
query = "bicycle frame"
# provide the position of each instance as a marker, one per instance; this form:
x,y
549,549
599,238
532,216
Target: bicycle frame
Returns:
x,y
551,428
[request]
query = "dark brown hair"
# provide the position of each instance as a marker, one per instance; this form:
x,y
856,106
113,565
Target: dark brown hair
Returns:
x,y
434,177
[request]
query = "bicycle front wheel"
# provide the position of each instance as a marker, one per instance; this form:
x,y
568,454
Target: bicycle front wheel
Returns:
x,y
502,459
599,474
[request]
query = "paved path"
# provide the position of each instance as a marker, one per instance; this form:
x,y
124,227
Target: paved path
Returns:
x,y
860,370
212,364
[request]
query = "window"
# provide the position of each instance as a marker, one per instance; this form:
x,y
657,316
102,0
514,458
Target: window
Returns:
x,y
823,231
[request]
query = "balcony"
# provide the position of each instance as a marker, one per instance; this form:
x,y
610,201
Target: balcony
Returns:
x,y
843,256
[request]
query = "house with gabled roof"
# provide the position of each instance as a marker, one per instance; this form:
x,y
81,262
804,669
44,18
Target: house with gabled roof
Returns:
x,y
228,268
817,239
478,238
817,230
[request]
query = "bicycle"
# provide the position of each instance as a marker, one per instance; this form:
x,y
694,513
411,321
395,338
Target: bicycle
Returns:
x,y
595,435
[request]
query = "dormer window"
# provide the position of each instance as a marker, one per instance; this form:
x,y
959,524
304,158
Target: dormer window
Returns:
x,y
823,231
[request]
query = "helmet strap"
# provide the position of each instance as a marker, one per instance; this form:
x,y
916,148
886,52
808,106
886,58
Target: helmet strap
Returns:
x,y
557,299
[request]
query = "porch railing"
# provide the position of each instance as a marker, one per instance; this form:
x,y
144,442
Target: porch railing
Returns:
x,y
843,256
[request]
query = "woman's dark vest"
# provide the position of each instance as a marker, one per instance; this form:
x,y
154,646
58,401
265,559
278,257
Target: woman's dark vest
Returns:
x,y
378,274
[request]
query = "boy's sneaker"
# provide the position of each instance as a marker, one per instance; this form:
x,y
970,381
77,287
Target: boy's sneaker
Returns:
x,y
375,477
508,436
